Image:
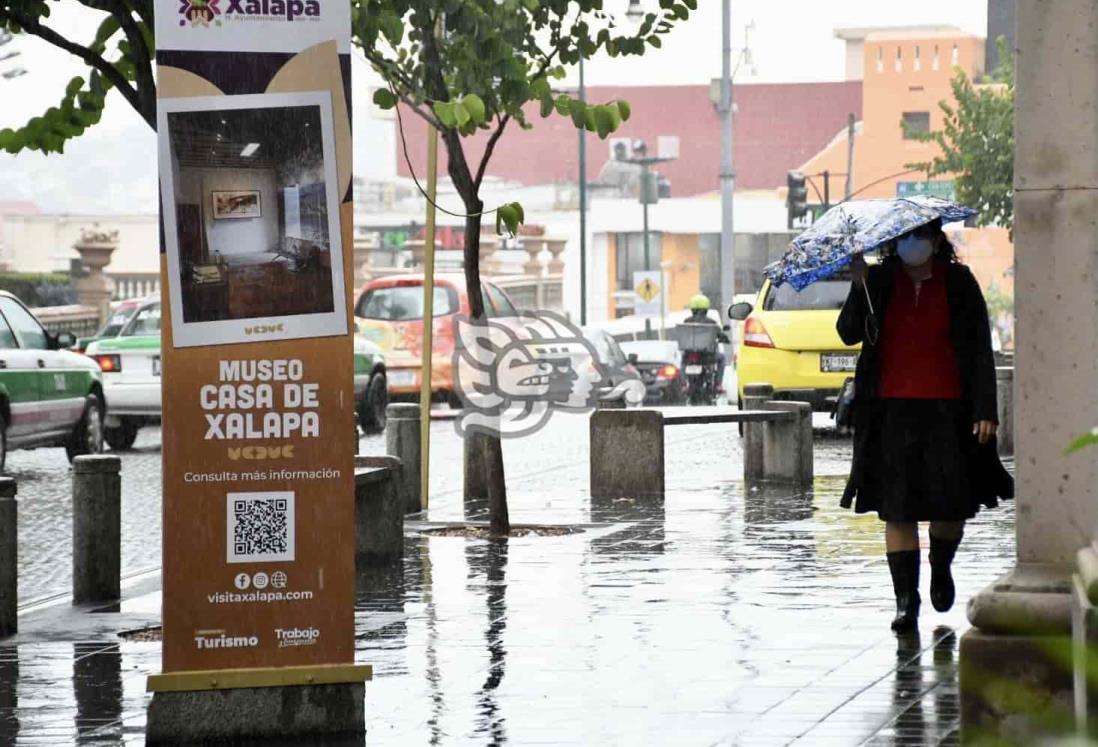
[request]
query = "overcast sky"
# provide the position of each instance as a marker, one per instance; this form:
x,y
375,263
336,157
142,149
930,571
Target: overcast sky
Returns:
x,y
112,168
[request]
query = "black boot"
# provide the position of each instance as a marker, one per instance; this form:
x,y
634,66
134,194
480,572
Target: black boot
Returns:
x,y
942,590
904,566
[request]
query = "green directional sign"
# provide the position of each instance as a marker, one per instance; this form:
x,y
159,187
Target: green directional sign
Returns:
x,y
943,189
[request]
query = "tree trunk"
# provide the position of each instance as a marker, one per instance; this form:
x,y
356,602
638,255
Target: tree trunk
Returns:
x,y
483,473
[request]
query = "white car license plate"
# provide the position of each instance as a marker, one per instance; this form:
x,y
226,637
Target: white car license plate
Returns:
x,y
693,370
156,365
833,362
402,378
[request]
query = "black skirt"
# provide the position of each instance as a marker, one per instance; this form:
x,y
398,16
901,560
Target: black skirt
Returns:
x,y
918,461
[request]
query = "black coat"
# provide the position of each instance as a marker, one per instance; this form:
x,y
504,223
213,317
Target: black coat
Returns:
x,y
970,334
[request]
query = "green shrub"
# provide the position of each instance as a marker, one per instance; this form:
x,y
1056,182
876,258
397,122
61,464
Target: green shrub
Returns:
x,y
39,289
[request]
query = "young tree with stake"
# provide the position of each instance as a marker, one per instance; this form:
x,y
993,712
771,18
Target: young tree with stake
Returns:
x,y
466,66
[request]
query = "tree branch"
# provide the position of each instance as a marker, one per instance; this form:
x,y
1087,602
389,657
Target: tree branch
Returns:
x,y
34,27
489,149
146,87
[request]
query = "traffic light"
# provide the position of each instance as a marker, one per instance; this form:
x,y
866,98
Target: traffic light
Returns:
x,y
797,200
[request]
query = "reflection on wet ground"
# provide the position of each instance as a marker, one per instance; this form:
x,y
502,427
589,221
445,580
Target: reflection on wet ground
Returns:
x,y
724,614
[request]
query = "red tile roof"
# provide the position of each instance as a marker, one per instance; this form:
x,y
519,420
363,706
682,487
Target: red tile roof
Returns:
x,y
778,128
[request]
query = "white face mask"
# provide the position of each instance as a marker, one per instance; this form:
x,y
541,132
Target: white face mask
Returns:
x,y
914,251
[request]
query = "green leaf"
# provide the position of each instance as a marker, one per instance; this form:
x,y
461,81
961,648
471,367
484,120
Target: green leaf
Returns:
x,y
1083,441
107,29
655,41
474,105
563,104
445,111
461,114
578,111
384,98
508,217
546,106
624,110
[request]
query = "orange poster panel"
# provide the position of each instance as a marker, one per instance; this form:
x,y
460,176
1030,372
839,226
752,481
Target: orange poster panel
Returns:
x,y
257,354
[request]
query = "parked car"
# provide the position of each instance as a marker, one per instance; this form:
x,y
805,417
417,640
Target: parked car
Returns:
x,y
131,375
130,362
790,342
121,312
659,363
49,396
371,386
389,312
620,368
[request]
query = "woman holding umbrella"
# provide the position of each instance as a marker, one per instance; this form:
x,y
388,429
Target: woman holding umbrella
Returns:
x,y
924,407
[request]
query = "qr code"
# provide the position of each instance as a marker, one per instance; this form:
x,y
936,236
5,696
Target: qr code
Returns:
x,y
259,527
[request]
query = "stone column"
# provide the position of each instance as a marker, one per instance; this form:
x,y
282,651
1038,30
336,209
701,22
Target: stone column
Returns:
x,y
1026,614
402,440
556,248
532,266
9,556
489,263
94,288
96,529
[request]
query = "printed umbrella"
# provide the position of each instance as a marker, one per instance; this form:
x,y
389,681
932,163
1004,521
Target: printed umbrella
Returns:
x,y
856,227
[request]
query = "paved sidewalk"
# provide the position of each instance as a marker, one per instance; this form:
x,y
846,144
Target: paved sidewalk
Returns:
x,y
716,617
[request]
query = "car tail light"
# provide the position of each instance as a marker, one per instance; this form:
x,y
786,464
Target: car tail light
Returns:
x,y
109,363
668,372
755,335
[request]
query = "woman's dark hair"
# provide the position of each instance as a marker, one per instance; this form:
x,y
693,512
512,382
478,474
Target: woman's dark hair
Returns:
x,y
945,249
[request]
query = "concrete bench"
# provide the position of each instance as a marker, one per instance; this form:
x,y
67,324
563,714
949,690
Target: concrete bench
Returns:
x,y
627,446
379,511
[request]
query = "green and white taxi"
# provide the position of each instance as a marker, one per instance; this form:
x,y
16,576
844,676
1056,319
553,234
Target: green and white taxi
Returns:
x,y
49,396
131,378
131,375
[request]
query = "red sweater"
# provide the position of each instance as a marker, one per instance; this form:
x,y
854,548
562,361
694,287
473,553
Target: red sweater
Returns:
x,y
917,358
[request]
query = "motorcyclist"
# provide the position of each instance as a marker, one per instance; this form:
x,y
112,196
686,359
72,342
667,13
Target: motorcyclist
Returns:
x,y
699,314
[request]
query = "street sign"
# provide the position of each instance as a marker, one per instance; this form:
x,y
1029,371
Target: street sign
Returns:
x,y
648,286
943,189
258,400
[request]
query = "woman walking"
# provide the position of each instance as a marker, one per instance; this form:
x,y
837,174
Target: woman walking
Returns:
x,y
924,407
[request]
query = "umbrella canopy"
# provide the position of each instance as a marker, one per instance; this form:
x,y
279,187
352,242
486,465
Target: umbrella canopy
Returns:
x,y
853,228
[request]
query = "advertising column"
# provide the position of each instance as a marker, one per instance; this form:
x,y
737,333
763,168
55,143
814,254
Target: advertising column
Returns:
x,y
258,406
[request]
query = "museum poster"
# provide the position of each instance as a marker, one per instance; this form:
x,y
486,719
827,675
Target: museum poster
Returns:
x,y
255,176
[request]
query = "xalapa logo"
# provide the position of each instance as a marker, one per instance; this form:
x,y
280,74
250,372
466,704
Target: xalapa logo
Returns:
x,y
199,12
205,12
512,374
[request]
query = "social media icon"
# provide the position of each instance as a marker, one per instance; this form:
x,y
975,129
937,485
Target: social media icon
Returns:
x,y
279,580
242,581
260,580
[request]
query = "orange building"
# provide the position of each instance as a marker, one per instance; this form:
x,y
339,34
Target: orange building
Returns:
x,y
906,72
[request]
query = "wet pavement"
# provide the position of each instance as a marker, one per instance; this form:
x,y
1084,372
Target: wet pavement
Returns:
x,y
719,616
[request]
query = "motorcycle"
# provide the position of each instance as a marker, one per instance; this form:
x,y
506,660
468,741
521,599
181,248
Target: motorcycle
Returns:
x,y
698,343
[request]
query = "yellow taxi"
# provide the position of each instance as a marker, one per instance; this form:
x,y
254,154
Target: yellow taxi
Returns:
x,y
789,341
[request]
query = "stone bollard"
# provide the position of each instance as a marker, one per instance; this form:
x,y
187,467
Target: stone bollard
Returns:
x,y
379,512
96,529
626,454
402,440
787,445
9,555
1004,384
755,397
